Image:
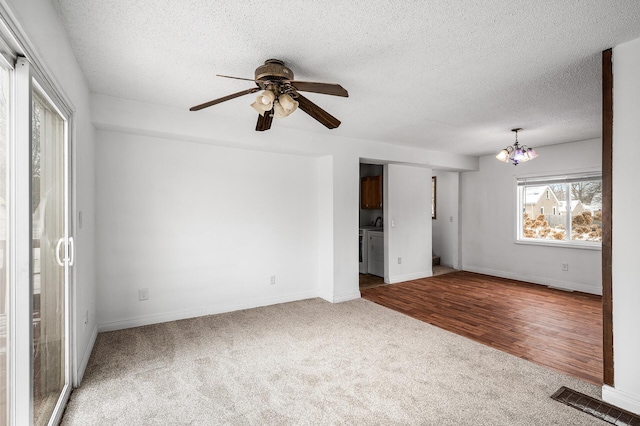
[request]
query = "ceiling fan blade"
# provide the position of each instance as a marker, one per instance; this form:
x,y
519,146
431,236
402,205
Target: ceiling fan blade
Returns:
x,y
318,113
235,78
324,88
226,98
264,121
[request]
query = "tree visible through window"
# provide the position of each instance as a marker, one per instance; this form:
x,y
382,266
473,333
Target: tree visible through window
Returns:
x,y
575,203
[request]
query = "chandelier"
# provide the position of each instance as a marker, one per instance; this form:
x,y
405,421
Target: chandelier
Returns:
x,y
516,154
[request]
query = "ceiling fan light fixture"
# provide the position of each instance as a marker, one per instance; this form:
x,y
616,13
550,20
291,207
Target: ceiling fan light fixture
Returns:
x,y
266,98
284,106
287,102
264,102
280,95
279,111
259,108
516,153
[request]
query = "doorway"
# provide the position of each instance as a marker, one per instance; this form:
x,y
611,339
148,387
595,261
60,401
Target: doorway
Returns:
x,y
371,225
445,221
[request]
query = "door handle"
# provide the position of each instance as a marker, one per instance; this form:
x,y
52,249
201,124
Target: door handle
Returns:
x,y
58,260
72,251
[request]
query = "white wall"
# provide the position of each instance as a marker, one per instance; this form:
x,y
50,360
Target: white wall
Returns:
x,y
407,231
346,181
335,161
204,228
626,290
445,226
325,227
488,216
46,36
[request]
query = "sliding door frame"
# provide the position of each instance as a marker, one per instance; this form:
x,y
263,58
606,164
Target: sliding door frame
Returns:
x,y
21,332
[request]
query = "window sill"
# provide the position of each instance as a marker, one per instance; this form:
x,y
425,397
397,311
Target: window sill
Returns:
x,y
561,244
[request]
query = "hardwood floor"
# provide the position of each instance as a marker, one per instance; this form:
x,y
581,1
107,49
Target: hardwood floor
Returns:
x,y
369,281
554,328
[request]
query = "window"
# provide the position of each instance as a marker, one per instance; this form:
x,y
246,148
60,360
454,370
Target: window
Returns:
x,y
575,203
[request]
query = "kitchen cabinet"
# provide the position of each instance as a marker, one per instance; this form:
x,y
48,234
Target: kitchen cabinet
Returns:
x,y
375,265
371,192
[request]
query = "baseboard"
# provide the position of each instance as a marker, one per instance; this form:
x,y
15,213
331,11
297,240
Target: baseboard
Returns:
x,y
345,297
621,399
192,313
409,277
564,285
85,357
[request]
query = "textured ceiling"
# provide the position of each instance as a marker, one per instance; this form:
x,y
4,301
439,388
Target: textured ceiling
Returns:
x,y
447,75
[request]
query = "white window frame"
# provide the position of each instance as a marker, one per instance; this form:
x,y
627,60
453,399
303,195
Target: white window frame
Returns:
x,y
538,180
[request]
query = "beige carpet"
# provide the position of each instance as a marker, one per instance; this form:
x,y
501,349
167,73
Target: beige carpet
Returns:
x,y
313,363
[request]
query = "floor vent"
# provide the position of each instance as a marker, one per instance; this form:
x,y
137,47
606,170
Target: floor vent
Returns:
x,y
596,408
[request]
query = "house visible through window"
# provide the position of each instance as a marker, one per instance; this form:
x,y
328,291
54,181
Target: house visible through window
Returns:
x,y
575,203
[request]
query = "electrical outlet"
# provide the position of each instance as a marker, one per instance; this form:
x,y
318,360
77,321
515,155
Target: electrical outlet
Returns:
x,y
565,266
143,294
399,260
273,280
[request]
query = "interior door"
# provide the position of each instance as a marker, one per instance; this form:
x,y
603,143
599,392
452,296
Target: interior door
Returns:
x,y
52,254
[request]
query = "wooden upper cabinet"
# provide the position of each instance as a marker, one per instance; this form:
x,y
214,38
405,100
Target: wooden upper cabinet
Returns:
x,y
371,192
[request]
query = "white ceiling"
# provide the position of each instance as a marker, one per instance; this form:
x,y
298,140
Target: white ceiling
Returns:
x,y
447,75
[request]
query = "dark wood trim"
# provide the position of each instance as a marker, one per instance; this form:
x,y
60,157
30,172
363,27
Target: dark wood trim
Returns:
x,y
434,198
607,186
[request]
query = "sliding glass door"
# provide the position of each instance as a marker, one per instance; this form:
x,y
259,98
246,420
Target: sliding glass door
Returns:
x,y
36,247
51,252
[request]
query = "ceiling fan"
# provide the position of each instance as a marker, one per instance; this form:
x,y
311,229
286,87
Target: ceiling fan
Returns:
x,y
280,96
